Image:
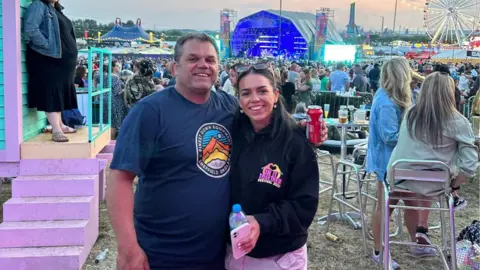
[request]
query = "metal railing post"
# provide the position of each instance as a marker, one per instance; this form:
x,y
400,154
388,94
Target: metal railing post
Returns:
x,y
110,67
100,98
90,91
100,92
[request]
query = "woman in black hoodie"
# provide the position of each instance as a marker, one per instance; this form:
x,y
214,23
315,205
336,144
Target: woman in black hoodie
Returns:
x,y
274,177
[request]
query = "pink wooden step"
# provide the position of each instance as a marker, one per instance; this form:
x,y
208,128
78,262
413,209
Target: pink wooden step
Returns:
x,y
49,208
54,186
87,166
106,156
44,258
108,148
44,233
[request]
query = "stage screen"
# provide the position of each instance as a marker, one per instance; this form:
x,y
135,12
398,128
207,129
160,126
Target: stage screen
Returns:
x,y
340,53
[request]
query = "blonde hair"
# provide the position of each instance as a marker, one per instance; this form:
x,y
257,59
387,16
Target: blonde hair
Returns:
x,y
435,107
278,76
395,79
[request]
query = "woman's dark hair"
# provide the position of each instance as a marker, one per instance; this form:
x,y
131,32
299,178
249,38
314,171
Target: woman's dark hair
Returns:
x,y
80,72
147,67
282,125
441,68
105,66
57,5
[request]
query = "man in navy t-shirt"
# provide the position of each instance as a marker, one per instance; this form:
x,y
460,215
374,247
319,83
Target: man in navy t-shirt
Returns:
x,y
178,143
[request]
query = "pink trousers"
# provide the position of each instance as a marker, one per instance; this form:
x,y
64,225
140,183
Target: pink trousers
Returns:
x,y
295,260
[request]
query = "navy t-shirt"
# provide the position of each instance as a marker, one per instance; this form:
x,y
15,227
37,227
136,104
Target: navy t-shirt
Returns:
x,y
181,154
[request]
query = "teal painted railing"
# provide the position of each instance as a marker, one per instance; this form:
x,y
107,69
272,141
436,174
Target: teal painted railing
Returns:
x,y
99,91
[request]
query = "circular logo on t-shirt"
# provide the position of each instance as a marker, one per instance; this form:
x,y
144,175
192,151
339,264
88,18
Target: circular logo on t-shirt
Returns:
x,y
213,149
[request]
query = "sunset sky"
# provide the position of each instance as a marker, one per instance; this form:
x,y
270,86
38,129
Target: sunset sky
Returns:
x,y
204,14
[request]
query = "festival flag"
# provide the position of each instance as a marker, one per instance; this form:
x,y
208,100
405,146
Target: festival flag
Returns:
x,y
321,25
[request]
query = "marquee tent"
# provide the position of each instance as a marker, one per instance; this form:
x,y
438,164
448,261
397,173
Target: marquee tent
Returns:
x,y
121,33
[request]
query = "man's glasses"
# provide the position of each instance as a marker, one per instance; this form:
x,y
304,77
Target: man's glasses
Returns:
x,y
244,68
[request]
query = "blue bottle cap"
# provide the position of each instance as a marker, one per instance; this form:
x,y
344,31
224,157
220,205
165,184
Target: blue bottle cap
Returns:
x,y
236,208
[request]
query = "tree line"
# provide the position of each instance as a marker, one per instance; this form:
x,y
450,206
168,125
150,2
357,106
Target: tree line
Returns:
x,y
93,27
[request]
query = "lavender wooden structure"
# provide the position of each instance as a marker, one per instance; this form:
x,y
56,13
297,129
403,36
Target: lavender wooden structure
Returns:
x,y
51,221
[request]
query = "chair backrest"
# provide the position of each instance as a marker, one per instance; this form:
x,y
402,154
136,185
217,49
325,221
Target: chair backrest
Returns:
x,y
359,155
440,173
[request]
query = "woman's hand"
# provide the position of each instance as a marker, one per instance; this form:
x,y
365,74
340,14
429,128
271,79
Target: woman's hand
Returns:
x,y
248,244
323,132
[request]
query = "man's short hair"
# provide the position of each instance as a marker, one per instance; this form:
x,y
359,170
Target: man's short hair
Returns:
x,y
201,37
340,65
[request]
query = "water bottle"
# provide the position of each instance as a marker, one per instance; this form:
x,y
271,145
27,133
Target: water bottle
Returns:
x,y
237,217
100,257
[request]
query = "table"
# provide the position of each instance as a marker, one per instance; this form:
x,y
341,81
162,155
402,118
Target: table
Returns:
x,y
349,217
343,134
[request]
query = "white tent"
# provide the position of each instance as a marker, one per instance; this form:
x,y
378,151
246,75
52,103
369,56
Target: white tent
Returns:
x,y
156,51
451,54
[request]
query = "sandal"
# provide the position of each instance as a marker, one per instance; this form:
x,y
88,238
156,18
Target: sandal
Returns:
x,y
67,130
59,137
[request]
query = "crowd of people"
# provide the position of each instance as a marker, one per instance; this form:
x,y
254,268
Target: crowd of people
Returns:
x,y
296,80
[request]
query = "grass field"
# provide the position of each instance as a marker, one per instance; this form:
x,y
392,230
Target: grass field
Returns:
x,y
348,254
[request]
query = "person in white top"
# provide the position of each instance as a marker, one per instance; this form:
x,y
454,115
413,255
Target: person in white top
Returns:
x,y
474,73
231,82
464,82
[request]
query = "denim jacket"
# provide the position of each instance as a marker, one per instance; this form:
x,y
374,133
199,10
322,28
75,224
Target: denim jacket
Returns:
x,y
42,29
384,126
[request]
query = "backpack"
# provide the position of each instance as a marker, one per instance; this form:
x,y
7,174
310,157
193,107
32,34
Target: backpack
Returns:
x,y
73,118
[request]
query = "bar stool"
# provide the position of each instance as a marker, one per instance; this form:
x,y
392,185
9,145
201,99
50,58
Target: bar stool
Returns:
x,y
367,180
352,172
399,222
322,154
395,174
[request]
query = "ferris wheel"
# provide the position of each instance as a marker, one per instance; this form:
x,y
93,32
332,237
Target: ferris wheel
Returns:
x,y
451,21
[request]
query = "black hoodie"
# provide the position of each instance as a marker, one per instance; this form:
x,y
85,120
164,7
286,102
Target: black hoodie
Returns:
x,y
276,181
